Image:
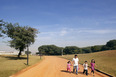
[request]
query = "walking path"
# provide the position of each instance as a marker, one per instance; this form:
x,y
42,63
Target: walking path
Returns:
x,y
52,66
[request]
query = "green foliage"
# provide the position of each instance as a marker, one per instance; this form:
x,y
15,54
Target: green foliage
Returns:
x,y
49,50
104,47
86,50
20,36
111,44
96,48
71,50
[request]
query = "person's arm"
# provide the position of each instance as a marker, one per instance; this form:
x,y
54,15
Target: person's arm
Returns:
x,y
87,65
83,65
78,61
72,62
95,65
90,65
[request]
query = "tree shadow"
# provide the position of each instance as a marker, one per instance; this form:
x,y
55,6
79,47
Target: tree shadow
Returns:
x,y
13,57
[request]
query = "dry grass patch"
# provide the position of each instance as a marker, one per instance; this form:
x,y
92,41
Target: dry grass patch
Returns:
x,y
105,60
11,64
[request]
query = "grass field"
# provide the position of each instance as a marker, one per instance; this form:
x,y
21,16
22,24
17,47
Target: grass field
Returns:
x,y
11,64
105,60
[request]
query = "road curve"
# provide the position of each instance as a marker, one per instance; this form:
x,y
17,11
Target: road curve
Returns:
x,y
52,66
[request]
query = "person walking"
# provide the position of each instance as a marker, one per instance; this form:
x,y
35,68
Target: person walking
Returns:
x,y
93,66
69,66
85,65
75,63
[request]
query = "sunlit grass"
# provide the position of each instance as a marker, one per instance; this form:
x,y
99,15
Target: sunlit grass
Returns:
x,y
105,60
11,64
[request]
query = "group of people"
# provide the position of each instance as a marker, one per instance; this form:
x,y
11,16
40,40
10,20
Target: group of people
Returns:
x,y
75,62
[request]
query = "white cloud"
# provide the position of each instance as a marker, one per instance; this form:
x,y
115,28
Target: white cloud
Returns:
x,y
63,32
94,31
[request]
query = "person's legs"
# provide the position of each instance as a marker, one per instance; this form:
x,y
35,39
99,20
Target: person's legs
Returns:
x,y
93,72
86,72
83,71
74,69
70,69
77,69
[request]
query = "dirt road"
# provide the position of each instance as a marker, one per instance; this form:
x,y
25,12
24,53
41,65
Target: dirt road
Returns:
x,y
52,66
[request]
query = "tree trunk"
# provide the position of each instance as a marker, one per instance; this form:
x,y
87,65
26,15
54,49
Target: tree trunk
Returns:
x,y
19,54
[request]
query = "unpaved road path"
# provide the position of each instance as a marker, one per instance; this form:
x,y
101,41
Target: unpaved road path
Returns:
x,y
52,66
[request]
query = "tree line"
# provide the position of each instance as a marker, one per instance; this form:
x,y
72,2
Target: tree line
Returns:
x,y
55,50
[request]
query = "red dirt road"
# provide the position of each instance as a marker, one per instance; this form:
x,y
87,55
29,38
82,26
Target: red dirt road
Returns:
x,y
52,66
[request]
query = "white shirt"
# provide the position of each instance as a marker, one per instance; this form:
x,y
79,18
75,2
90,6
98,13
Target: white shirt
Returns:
x,y
75,60
85,66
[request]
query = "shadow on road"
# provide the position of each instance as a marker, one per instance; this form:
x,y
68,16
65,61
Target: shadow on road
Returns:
x,y
66,71
71,72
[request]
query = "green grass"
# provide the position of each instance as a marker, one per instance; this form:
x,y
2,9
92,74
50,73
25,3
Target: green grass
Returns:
x,y
105,60
11,64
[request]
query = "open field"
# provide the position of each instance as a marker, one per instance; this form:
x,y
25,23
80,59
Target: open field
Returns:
x,y
105,60
11,64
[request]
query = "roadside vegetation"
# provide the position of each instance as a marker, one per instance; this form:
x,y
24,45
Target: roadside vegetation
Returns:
x,y
105,60
55,50
12,64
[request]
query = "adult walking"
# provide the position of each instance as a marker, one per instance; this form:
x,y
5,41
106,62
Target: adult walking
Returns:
x,y
75,62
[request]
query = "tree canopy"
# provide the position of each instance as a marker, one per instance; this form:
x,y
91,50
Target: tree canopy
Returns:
x,y
111,44
71,50
49,50
21,36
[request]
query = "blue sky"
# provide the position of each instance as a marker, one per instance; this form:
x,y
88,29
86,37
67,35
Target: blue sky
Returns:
x,y
63,22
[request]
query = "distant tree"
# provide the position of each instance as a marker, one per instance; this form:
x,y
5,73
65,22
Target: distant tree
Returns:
x,y
21,37
104,47
86,50
96,48
111,44
49,50
72,50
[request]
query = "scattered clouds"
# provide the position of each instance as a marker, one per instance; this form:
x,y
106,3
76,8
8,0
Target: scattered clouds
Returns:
x,y
96,31
63,32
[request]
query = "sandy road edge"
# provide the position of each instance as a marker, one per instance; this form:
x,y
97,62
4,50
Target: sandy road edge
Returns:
x,y
27,68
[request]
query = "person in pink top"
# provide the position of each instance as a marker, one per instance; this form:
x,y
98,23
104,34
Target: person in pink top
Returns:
x,y
69,66
92,66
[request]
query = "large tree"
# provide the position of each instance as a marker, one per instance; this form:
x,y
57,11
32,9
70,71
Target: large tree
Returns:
x,y
21,36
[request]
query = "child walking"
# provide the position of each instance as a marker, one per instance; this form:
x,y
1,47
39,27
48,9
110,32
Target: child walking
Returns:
x,y
69,66
92,66
85,65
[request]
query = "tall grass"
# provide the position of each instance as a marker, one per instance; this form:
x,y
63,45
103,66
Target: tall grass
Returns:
x,y
105,60
11,64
